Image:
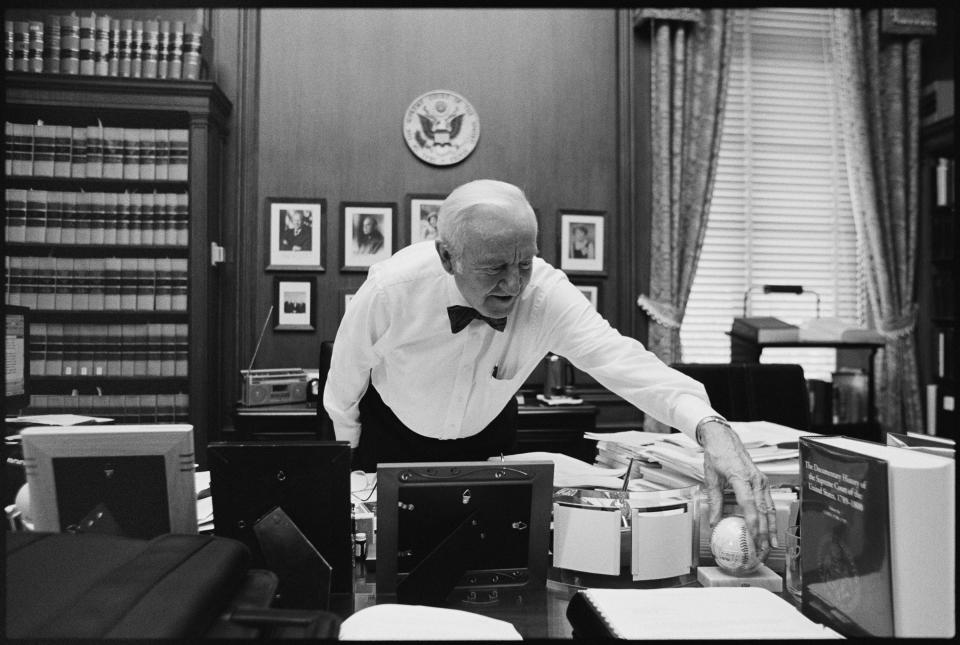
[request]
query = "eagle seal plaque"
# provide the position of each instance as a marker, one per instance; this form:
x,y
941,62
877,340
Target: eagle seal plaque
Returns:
x,y
441,127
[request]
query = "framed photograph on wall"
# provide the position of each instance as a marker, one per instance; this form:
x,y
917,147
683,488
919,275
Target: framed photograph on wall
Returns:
x,y
296,234
345,296
294,302
581,241
422,216
368,233
591,292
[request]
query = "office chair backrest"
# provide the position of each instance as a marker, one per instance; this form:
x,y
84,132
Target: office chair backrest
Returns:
x,y
772,392
326,425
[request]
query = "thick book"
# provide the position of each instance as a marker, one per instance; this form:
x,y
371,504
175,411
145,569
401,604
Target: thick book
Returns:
x,y
136,49
51,44
82,219
197,47
175,49
101,46
44,148
35,47
68,217
113,58
131,153
112,152
95,151
78,153
16,214
22,162
70,44
35,226
765,329
689,613
87,47
124,47
878,531
179,154
62,159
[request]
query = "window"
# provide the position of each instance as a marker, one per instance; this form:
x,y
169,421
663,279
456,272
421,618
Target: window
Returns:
x,y
781,210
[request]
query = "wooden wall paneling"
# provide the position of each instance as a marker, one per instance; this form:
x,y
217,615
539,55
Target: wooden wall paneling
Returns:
x,y
543,82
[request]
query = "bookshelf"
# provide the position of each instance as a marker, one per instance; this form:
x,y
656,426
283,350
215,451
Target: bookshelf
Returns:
x,y
941,254
118,269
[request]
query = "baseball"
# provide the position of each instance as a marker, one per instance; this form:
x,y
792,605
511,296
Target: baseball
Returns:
x,y
732,547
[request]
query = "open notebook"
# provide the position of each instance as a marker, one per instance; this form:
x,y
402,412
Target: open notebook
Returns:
x,y
689,613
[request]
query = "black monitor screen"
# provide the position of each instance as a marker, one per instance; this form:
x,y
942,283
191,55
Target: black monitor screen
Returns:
x,y
104,503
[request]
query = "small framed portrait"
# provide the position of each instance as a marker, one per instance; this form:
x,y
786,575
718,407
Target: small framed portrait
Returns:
x,y
294,302
346,295
581,241
422,216
591,292
296,234
368,233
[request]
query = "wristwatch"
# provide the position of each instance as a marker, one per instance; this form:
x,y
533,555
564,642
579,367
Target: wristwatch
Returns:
x,y
716,419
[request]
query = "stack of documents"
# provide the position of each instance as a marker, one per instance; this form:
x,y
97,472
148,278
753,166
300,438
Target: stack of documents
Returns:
x,y
689,613
672,460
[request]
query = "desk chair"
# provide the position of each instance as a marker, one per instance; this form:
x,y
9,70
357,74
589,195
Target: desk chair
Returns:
x,y
775,392
325,431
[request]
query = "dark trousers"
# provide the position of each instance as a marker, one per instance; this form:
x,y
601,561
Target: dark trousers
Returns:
x,y
385,439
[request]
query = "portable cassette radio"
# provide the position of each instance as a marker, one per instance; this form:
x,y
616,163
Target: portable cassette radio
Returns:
x,y
273,386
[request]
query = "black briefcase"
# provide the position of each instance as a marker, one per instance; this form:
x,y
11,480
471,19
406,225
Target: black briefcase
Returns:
x,y
87,585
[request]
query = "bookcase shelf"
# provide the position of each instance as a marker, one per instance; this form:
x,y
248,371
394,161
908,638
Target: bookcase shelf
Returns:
x,y
93,250
199,108
939,268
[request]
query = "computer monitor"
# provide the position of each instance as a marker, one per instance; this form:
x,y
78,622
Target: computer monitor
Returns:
x,y
16,359
132,480
308,480
461,530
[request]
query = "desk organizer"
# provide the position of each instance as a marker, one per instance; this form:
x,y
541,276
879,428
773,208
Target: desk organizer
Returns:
x,y
633,539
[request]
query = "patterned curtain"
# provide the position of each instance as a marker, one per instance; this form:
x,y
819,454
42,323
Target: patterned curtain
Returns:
x,y
877,80
691,51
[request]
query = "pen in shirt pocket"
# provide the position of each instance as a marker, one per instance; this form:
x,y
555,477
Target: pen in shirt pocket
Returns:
x,y
495,369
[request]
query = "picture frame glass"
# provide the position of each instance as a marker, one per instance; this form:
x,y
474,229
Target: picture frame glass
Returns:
x,y
295,304
368,235
296,240
581,242
423,218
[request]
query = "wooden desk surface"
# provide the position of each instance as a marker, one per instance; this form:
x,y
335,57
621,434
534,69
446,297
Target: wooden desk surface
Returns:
x,y
536,614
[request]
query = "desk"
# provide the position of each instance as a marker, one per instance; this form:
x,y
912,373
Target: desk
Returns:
x,y
536,613
287,421
539,427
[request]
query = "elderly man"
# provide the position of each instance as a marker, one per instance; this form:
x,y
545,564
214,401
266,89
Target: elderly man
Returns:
x,y
441,336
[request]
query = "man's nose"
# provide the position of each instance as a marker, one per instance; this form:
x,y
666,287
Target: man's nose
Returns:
x,y
512,281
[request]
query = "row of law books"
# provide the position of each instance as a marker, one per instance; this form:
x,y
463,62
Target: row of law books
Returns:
x,y
122,408
769,329
97,284
66,217
101,45
94,350
96,152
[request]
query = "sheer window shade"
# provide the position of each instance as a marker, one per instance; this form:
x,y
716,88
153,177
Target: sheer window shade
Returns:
x,y
781,210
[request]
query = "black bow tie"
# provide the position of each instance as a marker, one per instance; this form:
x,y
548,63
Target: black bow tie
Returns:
x,y
461,316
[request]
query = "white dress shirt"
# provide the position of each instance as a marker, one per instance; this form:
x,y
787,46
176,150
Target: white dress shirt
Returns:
x,y
396,334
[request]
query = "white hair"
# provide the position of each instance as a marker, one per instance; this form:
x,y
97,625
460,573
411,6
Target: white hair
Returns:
x,y
465,200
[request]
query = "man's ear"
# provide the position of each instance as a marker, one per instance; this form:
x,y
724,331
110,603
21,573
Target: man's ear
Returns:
x,y
445,258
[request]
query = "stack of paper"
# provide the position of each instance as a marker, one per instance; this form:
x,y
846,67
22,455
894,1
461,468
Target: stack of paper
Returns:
x,y
690,613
